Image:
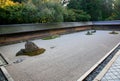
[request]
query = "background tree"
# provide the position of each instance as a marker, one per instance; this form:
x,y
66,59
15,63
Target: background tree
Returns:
x,y
97,9
116,13
32,11
74,4
91,7
106,8
47,11
69,15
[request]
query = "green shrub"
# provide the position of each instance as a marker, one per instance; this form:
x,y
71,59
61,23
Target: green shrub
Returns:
x,y
76,16
69,16
32,12
17,14
81,15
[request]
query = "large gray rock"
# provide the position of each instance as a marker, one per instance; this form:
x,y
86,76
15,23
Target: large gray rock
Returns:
x,y
30,46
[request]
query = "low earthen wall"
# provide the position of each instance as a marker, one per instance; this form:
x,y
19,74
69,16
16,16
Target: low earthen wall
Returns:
x,y
19,37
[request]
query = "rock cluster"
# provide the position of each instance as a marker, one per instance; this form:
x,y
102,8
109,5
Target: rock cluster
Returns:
x,y
30,47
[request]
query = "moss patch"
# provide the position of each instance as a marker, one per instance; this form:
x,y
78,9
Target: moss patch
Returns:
x,y
113,32
33,53
51,37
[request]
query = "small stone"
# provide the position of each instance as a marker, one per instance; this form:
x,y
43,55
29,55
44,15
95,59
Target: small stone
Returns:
x,y
88,33
19,60
52,47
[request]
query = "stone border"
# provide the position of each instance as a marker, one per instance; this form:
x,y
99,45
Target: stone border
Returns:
x,y
6,74
5,59
98,63
106,68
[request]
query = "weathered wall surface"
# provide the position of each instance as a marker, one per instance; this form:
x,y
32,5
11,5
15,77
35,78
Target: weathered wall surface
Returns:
x,y
110,27
20,28
22,32
18,37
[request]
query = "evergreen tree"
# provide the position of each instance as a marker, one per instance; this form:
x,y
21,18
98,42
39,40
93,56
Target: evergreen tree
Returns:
x,y
117,9
106,8
89,6
97,9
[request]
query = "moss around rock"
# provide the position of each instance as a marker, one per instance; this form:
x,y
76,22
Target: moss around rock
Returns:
x,y
30,50
32,53
113,32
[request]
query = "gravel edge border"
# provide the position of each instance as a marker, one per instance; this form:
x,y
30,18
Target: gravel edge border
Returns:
x,y
106,68
7,75
99,62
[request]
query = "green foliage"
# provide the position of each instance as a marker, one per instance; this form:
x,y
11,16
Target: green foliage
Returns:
x,y
17,14
3,16
69,16
47,11
91,7
74,4
32,12
106,9
57,11
73,15
81,15
116,13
